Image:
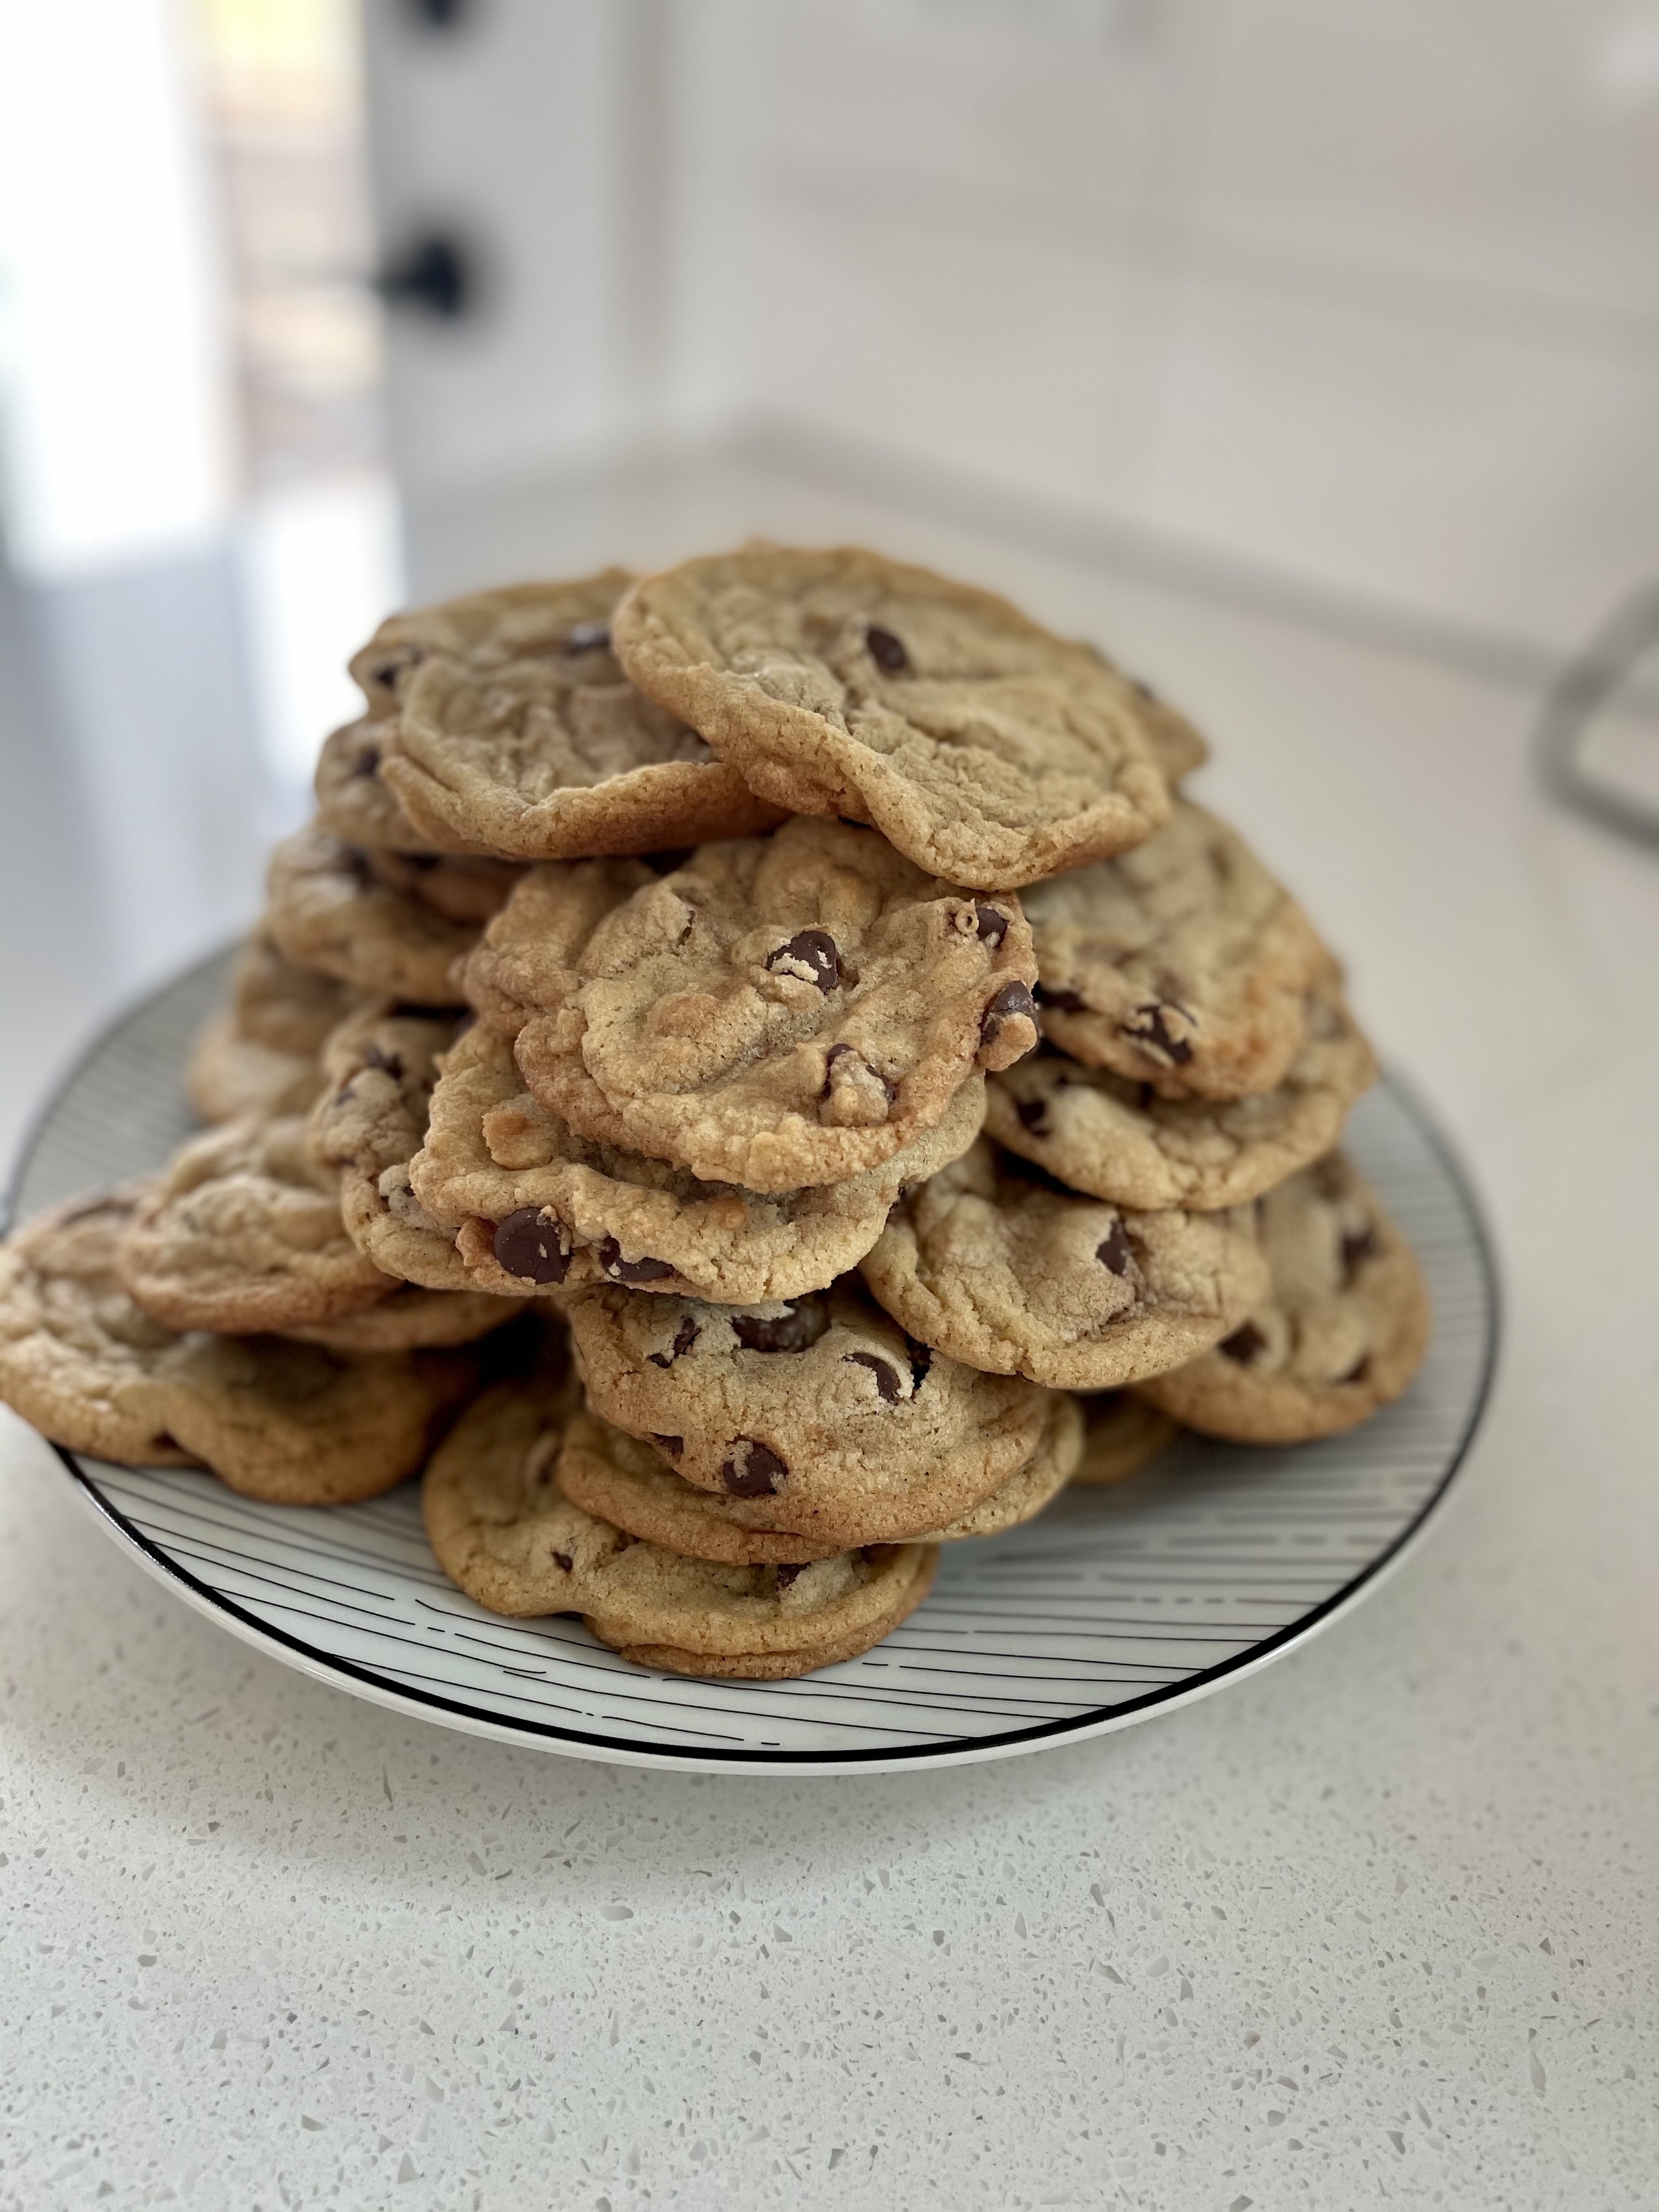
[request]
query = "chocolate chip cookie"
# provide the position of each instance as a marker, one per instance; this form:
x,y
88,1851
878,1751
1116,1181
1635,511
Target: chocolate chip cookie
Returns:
x,y
330,911
1182,964
783,1011
1104,1134
353,803
1121,1434
241,1232
507,1535
534,1208
259,1055
815,1414
78,1358
286,1422
997,1265
1339,1332
379,1068
526,961
844,683
619,1479
559,758
297,1425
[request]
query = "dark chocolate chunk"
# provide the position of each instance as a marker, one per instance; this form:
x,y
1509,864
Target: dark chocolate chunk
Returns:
x,y
886,1375
389,1063
1245,1345
589,637
367,762
992,923
843,1051
1067,1002
796,1329
531,1242
1149,1027
1356,1248
754,1469
817,951
885,650
785,1574
1113,1251
674,1445
618,1270
684,1337
407,657
562,1559
1012,1000
1033,1113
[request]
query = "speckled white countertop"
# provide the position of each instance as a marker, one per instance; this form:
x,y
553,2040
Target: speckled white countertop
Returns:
x,y
1377,1924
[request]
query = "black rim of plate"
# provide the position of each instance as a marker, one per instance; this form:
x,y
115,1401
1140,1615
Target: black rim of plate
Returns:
x,y
503,1727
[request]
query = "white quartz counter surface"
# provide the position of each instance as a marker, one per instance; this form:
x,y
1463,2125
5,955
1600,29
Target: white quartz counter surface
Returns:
x,y
1375,1925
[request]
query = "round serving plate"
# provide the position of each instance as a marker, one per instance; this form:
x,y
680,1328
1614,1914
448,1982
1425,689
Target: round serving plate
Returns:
x,y
1116,1605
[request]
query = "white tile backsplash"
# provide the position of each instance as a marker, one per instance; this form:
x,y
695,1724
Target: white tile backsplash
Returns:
x,y
1367,294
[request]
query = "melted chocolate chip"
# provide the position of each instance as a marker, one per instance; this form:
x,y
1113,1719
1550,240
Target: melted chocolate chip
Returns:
x,y
885,650
787,1574
674,1445
993,924
1033,1113
754,1469
796,1330
817,951
1113,1251
389,1063
530,1245
838,1052
1149,1027
1245,1345
618,1270
589,637
1358,1373
1012,1000
886,1375
1356,1249
1067,1002
389,671
562,1559
684,1337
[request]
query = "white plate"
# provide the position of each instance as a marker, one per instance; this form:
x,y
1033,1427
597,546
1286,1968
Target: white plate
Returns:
x,y
1115,1606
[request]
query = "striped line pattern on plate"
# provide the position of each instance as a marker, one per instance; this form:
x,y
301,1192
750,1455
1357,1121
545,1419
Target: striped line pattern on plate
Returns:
x,y
1114,1602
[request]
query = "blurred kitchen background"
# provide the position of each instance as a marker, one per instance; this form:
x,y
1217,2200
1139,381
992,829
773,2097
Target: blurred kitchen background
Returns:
x,y
1283,347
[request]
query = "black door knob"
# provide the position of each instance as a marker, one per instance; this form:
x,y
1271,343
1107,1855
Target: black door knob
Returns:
x,y
435,275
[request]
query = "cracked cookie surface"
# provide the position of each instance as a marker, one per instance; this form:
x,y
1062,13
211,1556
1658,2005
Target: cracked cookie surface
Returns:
x,y
505,1533
840,683
1182,964
1341,1332
241,1232
816,1414
330,910
1099,1131
620,1479
783,1011
533,1208
994,1264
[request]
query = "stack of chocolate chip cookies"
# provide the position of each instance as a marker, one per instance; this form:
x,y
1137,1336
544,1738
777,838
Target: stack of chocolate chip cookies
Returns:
x,y
752,1074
